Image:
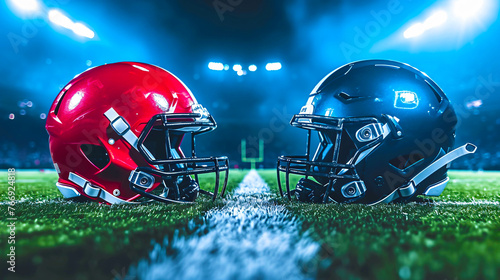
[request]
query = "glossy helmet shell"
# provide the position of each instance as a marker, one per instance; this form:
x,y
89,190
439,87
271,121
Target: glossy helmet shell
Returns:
x,y
81,139
421,117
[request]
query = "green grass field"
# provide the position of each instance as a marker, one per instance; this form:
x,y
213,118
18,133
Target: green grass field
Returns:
x,y
54,236
439,239
430,240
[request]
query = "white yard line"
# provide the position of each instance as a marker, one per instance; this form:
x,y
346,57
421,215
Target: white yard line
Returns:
x,y
475,180
475,202
25,181
249,238
22,200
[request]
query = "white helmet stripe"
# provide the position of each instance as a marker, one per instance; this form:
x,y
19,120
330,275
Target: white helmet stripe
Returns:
x,y
95,191
120,125
67,191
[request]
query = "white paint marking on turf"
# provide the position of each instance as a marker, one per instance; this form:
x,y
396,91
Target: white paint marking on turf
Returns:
x,y
474,180
249,238
33,201
16,201
475,202
252,184
25,181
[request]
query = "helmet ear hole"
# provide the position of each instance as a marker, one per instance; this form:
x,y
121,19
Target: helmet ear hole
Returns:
x,y
97,155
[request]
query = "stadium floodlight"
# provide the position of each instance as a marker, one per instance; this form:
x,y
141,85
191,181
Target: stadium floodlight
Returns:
x,y
216,66
12,116
436,19
226,67
58,18
415,30
474,104
241,72
273,66
467,8
26,6
82,30
252,68
237,67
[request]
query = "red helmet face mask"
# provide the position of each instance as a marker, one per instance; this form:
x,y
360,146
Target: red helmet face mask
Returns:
x,y
116,132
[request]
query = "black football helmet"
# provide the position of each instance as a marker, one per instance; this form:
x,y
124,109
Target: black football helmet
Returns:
x,y
386,133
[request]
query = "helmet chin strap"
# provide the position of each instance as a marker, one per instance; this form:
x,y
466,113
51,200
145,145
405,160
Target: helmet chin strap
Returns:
x,y
409,189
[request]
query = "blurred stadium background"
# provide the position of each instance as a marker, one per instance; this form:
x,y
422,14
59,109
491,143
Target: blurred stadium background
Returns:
x,y
252,63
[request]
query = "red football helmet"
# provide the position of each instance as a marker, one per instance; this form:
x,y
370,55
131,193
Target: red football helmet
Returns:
x,y
116,132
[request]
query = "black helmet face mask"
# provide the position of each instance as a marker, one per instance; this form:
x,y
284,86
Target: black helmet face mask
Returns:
x,y
343,142
159,144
